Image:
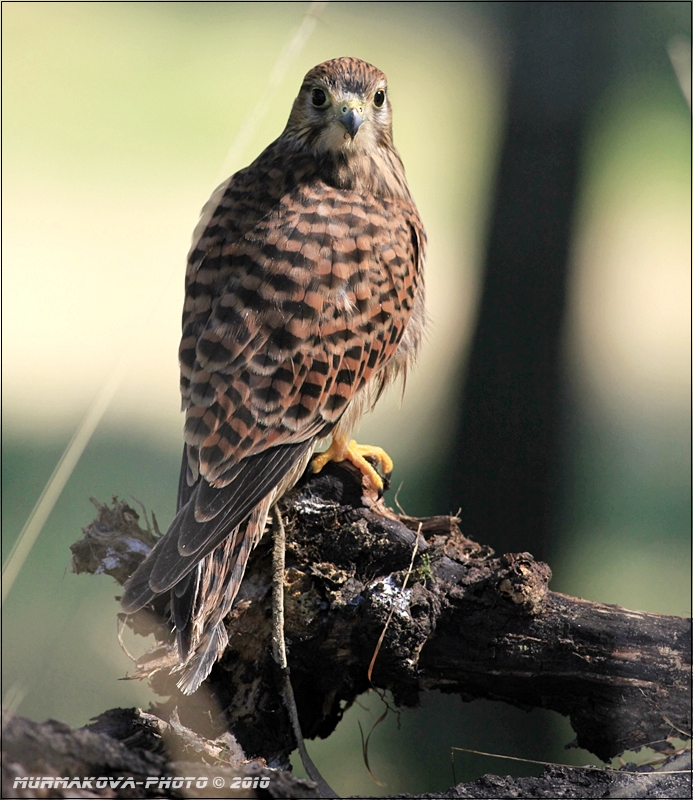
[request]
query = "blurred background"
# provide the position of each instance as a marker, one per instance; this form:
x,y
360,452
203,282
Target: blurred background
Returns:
x,y
548,148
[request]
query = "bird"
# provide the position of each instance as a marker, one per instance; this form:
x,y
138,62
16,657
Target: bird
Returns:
x,y
304,299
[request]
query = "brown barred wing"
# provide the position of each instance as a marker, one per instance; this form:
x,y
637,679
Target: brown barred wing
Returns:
x,y
315,301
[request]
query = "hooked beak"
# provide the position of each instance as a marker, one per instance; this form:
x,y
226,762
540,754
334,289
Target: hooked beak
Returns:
x,y
351,120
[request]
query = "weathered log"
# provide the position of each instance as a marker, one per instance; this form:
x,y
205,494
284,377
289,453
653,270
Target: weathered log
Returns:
x,y
468,622
127,753
573,782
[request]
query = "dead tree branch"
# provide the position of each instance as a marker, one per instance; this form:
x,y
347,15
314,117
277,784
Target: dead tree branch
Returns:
x,y
468,622
128,753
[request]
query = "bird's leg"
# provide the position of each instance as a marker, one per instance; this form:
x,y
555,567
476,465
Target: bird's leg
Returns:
x,y
279,650
341,449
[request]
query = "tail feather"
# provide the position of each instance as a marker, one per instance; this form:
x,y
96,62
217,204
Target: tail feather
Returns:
x,y
219,578
202,558
200,664
182,600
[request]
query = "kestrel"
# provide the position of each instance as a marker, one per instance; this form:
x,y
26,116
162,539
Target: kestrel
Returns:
x,y
304,298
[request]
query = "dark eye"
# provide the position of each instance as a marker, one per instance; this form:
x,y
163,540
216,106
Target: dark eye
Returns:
x,y
379,98
318,97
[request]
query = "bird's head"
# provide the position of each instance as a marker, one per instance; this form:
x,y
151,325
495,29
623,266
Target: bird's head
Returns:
x,y
342,108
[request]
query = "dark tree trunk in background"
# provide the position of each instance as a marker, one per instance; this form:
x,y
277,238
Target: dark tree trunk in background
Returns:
x,y
503,463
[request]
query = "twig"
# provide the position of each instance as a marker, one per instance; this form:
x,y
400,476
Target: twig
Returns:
x,y
587,767
279,651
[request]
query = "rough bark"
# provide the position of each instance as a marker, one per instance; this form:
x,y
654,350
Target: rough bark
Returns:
x,y
468,622
130,744
126,747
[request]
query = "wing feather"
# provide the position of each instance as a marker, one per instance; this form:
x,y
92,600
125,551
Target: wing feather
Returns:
x,y
208,518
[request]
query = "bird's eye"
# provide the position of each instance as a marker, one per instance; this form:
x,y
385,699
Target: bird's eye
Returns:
x,y
379,98
318,97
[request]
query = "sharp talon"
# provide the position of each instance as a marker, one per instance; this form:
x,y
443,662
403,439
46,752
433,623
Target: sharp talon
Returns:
x,y
341,450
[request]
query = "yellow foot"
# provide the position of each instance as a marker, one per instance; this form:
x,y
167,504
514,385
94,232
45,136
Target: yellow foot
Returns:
x,y
343,450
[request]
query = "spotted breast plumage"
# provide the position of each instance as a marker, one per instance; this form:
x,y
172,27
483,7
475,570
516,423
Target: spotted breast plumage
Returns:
x,y
304,299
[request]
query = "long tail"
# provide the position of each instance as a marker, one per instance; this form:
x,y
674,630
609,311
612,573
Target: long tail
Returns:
x,y
199,613
202,558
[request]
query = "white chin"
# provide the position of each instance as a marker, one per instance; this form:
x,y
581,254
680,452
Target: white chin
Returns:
x,y
335,139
